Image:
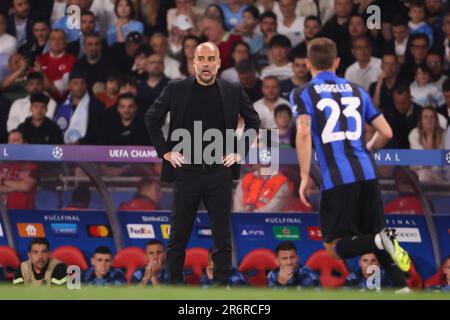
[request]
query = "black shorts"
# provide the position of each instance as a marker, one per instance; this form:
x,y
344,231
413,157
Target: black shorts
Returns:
x,y
351,209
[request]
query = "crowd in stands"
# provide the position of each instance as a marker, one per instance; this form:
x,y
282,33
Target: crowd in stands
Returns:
x,y
90,80
102,70
41,269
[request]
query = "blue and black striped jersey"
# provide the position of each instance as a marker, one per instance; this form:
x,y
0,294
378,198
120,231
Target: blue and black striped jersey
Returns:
x,y
338,110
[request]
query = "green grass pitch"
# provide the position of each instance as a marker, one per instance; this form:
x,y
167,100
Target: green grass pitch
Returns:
x,y
195,293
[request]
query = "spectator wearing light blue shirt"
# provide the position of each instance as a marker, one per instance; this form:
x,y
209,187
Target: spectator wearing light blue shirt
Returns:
x,y
69,25
118,32
4,68
248,28
417,23
233,11
72,33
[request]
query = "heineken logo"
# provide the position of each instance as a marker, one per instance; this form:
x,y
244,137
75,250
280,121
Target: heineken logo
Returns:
x,y
286,232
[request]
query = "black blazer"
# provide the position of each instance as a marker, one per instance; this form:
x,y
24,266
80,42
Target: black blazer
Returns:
x,y
175,97
11,28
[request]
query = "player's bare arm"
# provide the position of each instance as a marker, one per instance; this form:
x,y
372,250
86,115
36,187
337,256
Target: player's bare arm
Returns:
x,y
304,148
382,135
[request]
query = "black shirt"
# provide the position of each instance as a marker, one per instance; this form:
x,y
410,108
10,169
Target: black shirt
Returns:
x,y
47,133
205,105
146,94
255,92
298,50
386,94
114,133
286,87
339,34
401,124
97,72
119,61
5,106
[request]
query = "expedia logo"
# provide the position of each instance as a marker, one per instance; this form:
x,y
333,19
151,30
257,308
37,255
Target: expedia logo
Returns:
x,y
64,229
411,235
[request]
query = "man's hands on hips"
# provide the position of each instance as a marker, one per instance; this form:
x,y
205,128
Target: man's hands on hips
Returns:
x,y
231,159
176,159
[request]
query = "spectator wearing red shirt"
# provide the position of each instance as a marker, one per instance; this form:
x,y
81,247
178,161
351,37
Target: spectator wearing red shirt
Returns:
x,y
146,199
18,180
215,33
56,65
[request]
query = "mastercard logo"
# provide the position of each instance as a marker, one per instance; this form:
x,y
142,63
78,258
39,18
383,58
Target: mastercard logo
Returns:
x,y
99,231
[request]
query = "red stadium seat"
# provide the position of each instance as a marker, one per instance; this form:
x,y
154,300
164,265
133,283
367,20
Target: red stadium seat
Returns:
x,y
130,259
70,256
256,264
404,205
194,264
9,259
332,271
436,279
414,280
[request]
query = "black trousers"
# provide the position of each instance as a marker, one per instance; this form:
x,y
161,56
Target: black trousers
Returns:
x,y
213,185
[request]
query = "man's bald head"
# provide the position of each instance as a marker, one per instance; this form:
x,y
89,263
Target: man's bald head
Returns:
x,y
206,63
202,47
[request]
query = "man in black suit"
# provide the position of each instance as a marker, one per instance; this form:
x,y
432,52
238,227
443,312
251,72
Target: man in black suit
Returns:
x,y
20,25
216,104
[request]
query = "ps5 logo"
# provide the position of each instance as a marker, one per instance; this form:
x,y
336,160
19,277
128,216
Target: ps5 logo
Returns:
x,y
73,21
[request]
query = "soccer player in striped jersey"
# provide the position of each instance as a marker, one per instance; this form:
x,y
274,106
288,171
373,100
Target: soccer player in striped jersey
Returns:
x,y
331,115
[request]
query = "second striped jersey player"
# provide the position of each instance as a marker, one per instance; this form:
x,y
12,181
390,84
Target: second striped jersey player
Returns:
x,y
331,113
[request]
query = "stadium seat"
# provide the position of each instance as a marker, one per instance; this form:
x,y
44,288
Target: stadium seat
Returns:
x,y
414,280
9,260
70,256
404,205
194,265
256,265
130,259
436,279
332,271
